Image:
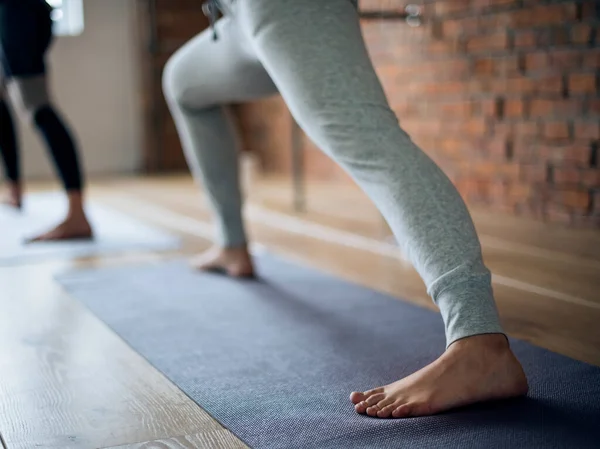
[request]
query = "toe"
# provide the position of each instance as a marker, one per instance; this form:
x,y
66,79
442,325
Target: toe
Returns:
x,y
374,399
361,407
372,411
386,411
388,400
357,396
403,411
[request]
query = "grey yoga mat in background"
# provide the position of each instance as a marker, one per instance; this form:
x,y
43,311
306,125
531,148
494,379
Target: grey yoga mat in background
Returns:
x,y
114,231
275,360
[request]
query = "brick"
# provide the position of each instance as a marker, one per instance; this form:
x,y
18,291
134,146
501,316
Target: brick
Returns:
x,y
537,61
554,36
407,109
451,6
533,174
525,39
577,154
498,149
472,127
488,42
556,108
543,15
581,33
590,178
444,47
566,175
493,170
556,130
521,85
591,59
503,130
590,9
577,199
552,84
432,70
454,109
485,4
582,83
514,108
505,65
527,129
566,59
525,152
460,27
491,107
587,130
518,191
455,148
596,202
594,106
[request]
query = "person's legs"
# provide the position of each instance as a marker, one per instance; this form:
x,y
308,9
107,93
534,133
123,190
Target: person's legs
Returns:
x,y
26,37
32,94
315,54
9,152
199,79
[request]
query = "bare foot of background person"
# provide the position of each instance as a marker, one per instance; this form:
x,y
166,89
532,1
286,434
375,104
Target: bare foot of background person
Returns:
x,y
474,369
235,262
74,227
14,196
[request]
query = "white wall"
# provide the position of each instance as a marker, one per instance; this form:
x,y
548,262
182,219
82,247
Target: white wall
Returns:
x,y
95,83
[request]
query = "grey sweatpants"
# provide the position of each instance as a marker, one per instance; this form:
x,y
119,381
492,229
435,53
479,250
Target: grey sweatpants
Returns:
x,y
313,54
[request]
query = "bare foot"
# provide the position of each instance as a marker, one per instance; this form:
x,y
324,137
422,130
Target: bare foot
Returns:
x,y
473,369
235,262
75,227
13,198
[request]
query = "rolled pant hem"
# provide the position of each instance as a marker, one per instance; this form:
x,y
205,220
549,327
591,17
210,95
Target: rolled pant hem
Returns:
x,y
468,309
231,239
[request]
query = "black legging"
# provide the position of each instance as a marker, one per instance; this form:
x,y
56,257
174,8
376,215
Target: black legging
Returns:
x,y
25,35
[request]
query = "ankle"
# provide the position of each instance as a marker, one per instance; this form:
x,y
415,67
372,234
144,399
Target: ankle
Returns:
x,y
241,250
492,343
14,187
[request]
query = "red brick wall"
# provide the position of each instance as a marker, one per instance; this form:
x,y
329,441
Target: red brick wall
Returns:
x,y
503,94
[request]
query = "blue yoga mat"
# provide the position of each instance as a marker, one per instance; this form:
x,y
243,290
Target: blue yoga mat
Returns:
x,y
274,360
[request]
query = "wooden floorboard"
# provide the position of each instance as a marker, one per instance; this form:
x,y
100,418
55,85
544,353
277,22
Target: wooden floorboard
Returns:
x,y
67,381
216,439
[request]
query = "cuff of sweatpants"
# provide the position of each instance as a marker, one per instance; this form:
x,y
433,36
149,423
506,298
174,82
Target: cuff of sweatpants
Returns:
x,y
231,233
468,309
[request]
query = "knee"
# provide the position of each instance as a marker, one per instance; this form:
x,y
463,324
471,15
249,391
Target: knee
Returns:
x,y
30,94
174,80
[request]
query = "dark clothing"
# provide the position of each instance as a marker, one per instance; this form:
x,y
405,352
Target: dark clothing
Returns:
x,y
25,35
8,143
59,140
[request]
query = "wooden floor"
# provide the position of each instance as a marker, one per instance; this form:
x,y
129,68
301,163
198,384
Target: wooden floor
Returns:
x,y
67,381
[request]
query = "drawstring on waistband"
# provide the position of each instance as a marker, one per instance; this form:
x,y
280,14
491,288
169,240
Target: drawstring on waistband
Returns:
x,y
211,9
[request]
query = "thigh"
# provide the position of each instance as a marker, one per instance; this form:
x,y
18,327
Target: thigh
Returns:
x,y
25,36
315,54
207,72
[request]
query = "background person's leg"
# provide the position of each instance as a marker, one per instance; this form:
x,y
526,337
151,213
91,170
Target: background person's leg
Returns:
x,y
9,152
316,56
26,37
198,80
31,93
